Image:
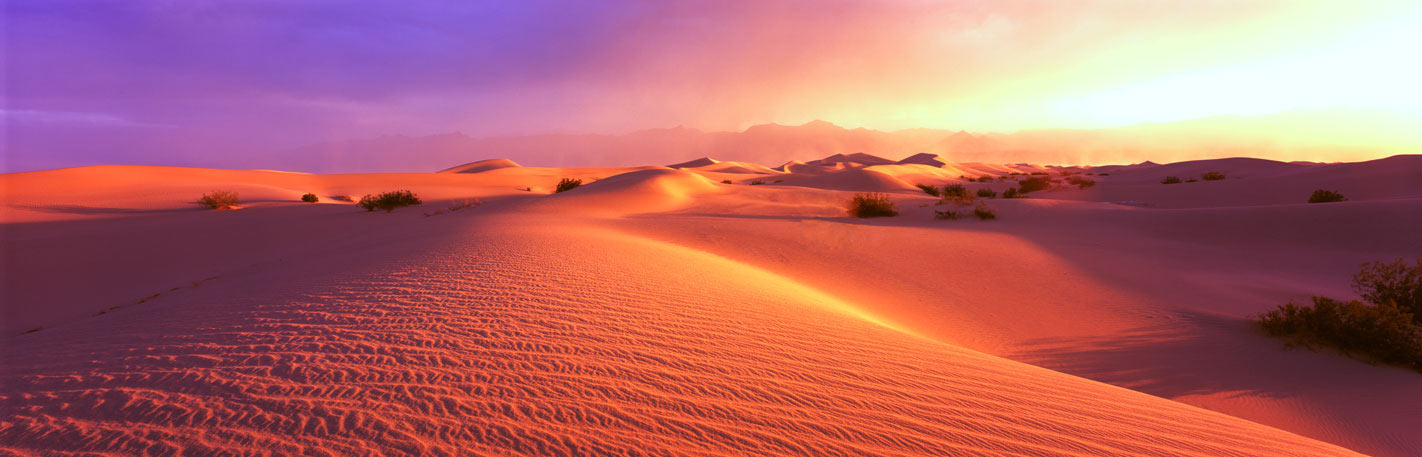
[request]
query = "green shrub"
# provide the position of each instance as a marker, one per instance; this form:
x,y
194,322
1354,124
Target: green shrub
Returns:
x,y
567,184
1326,196
1384,332
388,201
1034,184
954,191
1395,282
219,199
1213,176
986,193
310,198
927,189
872,204
984,212
1170,180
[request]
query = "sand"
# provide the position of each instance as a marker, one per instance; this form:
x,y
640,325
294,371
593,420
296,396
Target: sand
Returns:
x,y
658,311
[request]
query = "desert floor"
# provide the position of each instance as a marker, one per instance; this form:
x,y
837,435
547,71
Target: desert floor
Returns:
x,y
660,311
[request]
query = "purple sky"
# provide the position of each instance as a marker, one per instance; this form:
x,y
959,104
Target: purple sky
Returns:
x,y
193,82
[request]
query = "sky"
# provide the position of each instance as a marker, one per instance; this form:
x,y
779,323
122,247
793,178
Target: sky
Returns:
x,y
183,81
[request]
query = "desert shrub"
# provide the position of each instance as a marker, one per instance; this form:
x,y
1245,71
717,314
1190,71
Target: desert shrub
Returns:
x,y
1081,182
310,198
984,212
388,201
1385,332
779,180
1105,174
927,189
219,199
954,191
567,184
1326,196
1033,184
343,198
1191,180
757,182
986,193
945,214
1011,193
1039,173
1212,176
1395,283
725,181
1170,180
871,204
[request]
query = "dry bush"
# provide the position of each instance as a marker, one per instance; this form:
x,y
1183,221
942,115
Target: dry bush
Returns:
x,y
1033,184
1385,329
1170,180
567,184
984,212
927,189
871,204
1326,196
388,201
219,199
945,214
1081,182
1213,176
987,193
953,191
310,198
725,181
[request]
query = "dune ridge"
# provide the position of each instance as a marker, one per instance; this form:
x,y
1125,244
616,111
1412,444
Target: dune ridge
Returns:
x,y
494,344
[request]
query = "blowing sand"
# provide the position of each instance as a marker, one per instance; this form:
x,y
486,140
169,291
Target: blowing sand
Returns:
x,y
658,311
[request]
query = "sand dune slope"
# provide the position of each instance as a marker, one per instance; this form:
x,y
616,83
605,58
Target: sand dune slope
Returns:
x,y
529,336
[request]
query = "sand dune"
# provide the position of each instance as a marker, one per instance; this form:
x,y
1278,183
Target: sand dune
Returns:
x,y
654,310
481,166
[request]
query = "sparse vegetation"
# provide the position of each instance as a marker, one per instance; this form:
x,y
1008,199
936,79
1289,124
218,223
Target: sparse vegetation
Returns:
x,y
1081,182
1170,180
1032,184
984,212
987,193
310,198
757,182
1011,193
927,189
1384,329
1394,282
388,201
567,184
725,181
779,180
954,191
1191,180
220,199
945,214
343,198
1213,176
871,204
1326,196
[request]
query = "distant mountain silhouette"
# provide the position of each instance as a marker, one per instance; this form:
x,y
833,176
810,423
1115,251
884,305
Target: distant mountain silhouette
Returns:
x,y
1273,136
